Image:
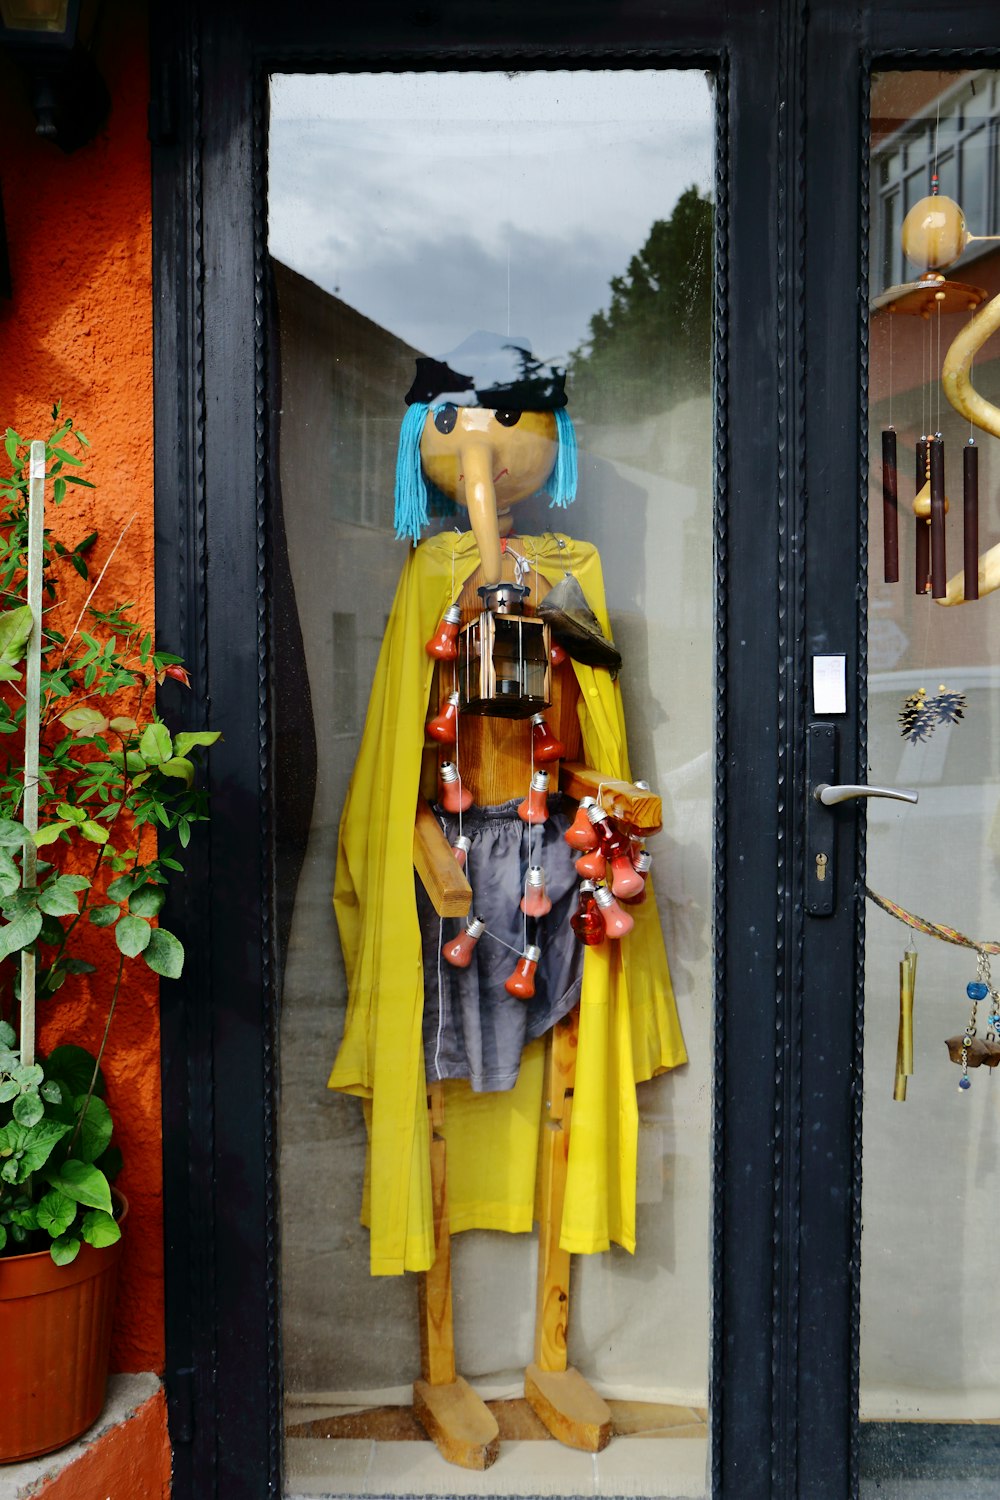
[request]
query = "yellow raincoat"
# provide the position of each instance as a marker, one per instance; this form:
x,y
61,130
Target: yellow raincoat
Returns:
x,y
629,1029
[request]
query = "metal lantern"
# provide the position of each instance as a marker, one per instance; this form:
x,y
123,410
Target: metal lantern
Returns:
x,y
503,658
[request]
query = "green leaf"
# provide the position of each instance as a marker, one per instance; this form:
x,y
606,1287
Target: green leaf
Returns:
x,y
95,832
58,899
35,1145
12,834
10,875
8,1036
96,1130
132,936
70,813
28,1110
180,768
11,442
155,745
3,1236
51,1091
15,628
104,916
184,741
122,725
74,1067
131,763
147,900
56,1212
83,1183
122,888
19,933
99,1229
29,1076
84,721
9,1090
65,1249
50,833
164,954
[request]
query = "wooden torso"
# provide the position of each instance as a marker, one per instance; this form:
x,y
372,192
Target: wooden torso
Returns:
x,y
494,754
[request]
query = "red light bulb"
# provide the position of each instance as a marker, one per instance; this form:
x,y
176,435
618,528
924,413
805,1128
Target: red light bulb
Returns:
x,y
626,881
521,983
544,745
616,921
443,644
586,921
460,848
580,833
592,865
641,863
536,901
444,725
454,797
458,951
556,654
535,807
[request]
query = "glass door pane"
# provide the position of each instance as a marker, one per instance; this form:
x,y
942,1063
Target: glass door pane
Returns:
x,y
930,1377
465,219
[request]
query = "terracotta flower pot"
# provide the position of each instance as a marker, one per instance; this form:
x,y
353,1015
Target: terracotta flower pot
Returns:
x,y
56,1324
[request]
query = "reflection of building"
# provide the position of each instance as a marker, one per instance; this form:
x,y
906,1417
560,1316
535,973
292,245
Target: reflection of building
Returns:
x,y
954,132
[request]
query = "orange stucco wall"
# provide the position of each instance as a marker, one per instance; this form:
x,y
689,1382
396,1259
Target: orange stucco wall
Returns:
x,y
130,1462
80,329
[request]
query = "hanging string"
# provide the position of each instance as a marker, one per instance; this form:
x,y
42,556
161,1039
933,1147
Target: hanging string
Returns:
x,y
931,929
892,319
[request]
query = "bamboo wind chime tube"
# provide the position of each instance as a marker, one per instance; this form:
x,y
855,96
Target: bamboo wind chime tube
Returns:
x,y
970,533
923,536
32,694
890,507
904,1041
939,566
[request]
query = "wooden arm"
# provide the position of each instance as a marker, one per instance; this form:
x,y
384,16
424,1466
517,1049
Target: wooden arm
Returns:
x,y
641,812
434,861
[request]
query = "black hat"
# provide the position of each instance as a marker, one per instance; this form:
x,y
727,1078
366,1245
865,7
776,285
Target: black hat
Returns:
x,y
490,369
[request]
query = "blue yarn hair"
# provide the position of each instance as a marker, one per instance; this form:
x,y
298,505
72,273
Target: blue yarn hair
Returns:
x,y
562,480
417,499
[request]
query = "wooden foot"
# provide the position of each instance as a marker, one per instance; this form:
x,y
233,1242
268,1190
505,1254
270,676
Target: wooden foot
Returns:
x,y
461,1425
571,1409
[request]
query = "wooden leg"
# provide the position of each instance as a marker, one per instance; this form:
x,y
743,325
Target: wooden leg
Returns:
x,y
444,1404
571,1410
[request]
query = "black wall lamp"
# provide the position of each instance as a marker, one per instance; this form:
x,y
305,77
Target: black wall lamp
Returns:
x,y
68,96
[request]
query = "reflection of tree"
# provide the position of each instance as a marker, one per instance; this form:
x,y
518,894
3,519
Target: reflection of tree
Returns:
x,y
652,347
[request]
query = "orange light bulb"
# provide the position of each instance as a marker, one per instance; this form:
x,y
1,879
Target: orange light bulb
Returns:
x,y
443,644
444,725
521,983
580,833
458,951
454,797
544,745
535,807
616,922
536,901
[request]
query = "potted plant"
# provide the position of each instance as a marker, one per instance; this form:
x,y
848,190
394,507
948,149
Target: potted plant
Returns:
x,y
91,776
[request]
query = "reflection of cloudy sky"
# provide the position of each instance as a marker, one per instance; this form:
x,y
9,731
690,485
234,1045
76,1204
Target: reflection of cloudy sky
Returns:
x,y
440,203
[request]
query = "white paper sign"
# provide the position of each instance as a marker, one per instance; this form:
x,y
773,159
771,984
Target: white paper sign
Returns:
x,y
830,684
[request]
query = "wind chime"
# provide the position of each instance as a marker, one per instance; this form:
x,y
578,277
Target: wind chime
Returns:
x,y
933,235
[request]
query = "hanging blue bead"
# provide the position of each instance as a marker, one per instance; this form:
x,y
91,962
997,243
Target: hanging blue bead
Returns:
x,y
965,1083
977,990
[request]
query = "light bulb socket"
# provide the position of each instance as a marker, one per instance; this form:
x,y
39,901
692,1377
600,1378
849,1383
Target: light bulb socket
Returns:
x,y
476,927
449,771
453,615
603,896
596,813
536,877
642,862
532,953
540,781
463,842
587,887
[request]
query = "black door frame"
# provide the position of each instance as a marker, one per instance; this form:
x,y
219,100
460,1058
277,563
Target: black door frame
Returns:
x,y
786,1218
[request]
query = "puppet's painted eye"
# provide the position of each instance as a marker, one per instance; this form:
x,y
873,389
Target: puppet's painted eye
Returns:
x,y
445,418
508,418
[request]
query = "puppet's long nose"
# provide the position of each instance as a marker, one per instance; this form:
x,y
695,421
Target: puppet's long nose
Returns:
x,y
480,496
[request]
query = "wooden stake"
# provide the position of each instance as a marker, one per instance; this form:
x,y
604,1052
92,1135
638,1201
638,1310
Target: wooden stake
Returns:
x,y
890,508
970,507
32,713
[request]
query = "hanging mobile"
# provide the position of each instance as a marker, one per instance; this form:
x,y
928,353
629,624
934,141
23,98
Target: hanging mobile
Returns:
x,y
968,1050
904,1040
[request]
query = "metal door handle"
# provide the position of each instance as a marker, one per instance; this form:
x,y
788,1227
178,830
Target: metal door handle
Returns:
x,y
830,795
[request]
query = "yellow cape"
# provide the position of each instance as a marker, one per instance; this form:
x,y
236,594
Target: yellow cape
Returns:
x,y
629,1029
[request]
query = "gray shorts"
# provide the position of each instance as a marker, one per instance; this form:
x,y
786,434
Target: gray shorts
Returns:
x,y
472,1028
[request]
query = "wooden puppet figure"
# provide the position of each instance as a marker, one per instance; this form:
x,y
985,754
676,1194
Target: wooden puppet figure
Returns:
x,y
521,980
